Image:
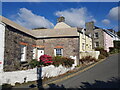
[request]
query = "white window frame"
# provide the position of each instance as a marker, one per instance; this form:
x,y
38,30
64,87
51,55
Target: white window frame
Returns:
x,y
55,51
23,51
34,53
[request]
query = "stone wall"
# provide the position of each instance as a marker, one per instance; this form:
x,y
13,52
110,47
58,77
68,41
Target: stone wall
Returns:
x,y
70,46
13,38
12,54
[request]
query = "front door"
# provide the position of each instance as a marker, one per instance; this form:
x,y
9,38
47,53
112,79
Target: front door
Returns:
x,y
40,52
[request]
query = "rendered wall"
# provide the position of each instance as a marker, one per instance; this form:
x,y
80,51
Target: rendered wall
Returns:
x,y
94,54
33,74
2,39
2,45
108,41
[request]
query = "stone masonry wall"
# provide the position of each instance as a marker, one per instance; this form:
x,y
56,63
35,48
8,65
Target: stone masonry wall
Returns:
x,y
70,46
13,50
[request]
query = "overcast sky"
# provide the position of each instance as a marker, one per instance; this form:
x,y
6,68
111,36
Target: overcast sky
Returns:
x,y
44,14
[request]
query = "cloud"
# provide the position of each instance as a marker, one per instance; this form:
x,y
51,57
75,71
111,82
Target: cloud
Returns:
x,y
106,21
113,13
30,20
76,16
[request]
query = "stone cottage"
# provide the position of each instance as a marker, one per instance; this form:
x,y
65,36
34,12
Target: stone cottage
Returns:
x,y
18,45
101,37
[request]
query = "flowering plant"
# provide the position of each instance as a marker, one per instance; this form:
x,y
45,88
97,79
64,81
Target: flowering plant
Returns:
x,y
46,60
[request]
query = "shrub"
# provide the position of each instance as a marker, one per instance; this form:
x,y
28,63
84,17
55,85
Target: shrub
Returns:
x,y
101,56
102,51
64,61
57,60
116,44
87,59
46,60
114,50
34,63
111,49
67,62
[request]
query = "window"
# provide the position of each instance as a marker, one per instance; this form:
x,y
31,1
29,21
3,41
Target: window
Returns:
x,y
23,53
34,53
96,44
90,46
96,35
58,51
83,46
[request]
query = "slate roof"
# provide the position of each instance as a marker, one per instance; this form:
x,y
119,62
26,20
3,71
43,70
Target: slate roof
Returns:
x,y
55,32
42,33
15,25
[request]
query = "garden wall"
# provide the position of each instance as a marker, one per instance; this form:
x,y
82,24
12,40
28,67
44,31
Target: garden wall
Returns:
x,y
32,74
94,54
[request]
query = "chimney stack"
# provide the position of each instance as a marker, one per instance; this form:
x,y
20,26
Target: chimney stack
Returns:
x,y
61,19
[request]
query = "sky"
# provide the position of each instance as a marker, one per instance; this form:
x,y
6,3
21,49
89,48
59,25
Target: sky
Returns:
x,y
45,14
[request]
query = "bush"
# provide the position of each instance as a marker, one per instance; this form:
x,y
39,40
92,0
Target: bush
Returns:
x,y
57,61
87,59
34,63
102,51
114,50
64,61
67,62
46,60
101,56
116,44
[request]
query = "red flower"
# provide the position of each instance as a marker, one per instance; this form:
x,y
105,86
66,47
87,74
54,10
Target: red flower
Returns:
x,y
46,59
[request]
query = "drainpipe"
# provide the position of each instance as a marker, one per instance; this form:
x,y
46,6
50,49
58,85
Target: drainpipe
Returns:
x,y
79,49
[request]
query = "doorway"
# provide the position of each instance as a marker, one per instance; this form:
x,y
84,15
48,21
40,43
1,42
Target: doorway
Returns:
x,y
40,52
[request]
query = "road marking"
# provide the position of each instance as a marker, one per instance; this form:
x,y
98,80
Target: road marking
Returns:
x,y
59,80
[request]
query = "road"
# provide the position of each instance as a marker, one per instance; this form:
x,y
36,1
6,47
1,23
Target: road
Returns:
x,y
102,75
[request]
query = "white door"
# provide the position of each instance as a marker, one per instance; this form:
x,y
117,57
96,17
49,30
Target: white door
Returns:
x,y
40,52
23,53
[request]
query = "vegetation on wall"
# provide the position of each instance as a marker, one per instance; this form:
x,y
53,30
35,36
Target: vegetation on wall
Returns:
x,y
46,60
114,50
103,53
117,44
118,33
87,60
64,61
34,63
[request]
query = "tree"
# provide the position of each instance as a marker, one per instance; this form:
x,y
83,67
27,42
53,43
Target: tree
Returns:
x,y
118,33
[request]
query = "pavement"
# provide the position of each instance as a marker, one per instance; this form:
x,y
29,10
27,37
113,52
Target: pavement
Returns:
x,y
103,70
